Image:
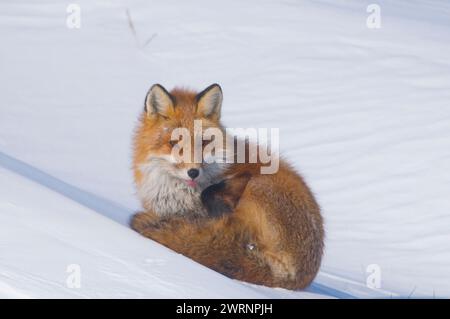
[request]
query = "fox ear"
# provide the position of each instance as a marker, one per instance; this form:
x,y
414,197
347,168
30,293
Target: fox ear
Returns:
x,y
209,102
159,102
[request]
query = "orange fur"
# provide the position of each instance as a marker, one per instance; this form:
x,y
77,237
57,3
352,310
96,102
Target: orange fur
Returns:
x,y
274,234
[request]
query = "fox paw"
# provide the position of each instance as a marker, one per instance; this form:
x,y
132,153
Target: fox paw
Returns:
x,y
221,198
141,221
215,202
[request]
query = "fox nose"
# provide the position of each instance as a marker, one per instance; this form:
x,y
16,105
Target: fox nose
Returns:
x,y
193,173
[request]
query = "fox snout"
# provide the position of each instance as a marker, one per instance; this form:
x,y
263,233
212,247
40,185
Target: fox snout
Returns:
x,y
193,173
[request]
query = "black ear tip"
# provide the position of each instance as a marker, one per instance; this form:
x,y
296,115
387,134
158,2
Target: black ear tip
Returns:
x,y
159,86
212,86
216,85
156,85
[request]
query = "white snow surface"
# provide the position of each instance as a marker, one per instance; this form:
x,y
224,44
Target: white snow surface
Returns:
x,y
364,115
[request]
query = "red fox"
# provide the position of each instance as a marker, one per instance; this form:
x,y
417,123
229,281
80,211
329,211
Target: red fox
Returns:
x,y
260,228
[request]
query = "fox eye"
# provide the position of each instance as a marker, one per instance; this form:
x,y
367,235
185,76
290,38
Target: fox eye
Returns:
x,y
173,143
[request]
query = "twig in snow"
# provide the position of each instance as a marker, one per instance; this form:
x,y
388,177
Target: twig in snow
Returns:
x,y
149,39
134,32
131,25
410,295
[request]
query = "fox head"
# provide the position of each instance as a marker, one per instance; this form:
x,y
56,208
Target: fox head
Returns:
x,y
160,154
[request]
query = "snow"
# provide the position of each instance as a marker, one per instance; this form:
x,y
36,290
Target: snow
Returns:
x,y
363,114
53,229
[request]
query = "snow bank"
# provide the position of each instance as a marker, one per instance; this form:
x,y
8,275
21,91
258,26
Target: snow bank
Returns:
x,y
363,114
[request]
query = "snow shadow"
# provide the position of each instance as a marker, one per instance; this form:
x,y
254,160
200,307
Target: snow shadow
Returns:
x,y
99,204
106,207
325,290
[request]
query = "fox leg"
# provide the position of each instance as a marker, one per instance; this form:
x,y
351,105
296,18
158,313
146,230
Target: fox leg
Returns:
x,y
221,244
177,233
182,232
143,220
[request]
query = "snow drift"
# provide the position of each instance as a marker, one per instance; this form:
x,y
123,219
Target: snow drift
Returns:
x,y
363,113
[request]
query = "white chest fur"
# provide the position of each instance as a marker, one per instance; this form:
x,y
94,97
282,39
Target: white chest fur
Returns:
x,y
165,194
